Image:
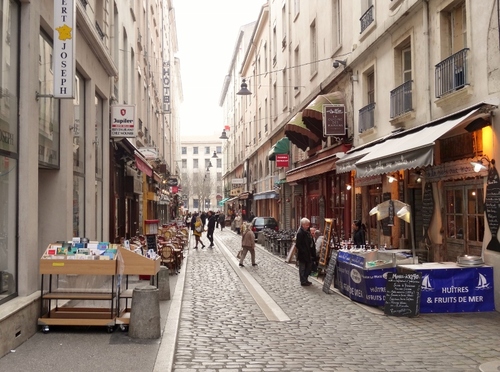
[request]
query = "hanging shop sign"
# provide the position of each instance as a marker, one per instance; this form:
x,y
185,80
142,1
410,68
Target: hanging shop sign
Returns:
x,y
172,182
123,121
166,87
64,48
149,153
236,191
334,120
281,160
238,181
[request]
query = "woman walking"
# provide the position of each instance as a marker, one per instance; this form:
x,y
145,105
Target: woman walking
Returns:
x,y
247,244
198,230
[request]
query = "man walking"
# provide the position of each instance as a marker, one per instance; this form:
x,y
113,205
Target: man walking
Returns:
x,y
211,227
305,245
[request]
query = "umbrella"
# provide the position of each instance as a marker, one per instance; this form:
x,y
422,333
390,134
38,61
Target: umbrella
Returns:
x,y
313,113
298,134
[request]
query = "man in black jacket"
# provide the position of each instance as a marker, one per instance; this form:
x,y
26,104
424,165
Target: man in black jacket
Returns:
x,y
305,248
211,228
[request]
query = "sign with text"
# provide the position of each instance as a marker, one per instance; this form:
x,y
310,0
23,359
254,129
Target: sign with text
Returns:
x,y
166,87
403,294
64,48
123,121
281,160
334,119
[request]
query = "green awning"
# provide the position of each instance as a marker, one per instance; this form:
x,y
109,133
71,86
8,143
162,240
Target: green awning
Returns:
x,y
280,147
221,203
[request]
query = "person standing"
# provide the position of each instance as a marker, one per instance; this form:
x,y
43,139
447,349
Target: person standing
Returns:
x,y
305,246
247,244
197,231
237,223
359,238
222,220
211,228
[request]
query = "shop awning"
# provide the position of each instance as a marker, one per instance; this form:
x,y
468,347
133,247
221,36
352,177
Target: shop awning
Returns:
x,y
312,115
411,148
245,195
280,147
223,201
298,134
271,194
142,164
314,168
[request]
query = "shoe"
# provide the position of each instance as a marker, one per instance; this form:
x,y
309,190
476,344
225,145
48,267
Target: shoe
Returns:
x,y
241,265
195,247
254,264
306,284
203,246
211,246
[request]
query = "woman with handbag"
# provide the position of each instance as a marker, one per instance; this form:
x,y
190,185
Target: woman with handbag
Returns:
x,y
247,244
198,229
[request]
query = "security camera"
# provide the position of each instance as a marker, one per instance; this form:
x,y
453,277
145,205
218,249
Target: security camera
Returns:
x,y
336,64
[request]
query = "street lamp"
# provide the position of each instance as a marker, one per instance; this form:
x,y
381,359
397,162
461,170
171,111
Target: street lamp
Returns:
x,y
214,156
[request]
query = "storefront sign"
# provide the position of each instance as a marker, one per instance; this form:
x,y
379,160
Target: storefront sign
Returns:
x,y
281,160
64,46
166,87
367,181
237,181
123,121
149,153
173,182
334,120
459,169
235,192
457,290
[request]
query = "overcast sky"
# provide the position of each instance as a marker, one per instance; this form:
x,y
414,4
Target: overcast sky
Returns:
x,y
207,32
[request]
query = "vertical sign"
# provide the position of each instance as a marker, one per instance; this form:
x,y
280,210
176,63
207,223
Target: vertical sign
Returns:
x,y
166,87
64,48
334,119
281,160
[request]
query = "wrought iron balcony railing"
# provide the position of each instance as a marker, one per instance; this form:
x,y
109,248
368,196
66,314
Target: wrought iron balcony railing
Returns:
x,y
451,73
401,99
366,19
366,118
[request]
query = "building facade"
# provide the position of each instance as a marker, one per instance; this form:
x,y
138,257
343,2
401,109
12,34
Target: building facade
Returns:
x,y
69,176
412,91
201,173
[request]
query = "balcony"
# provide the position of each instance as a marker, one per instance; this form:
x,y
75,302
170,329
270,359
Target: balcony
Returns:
x,y
401,99
451,73
366,19
366,118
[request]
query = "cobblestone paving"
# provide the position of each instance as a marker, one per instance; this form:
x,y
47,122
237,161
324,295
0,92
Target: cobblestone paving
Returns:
x,y
222,328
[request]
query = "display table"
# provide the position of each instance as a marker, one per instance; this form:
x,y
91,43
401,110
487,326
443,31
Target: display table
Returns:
x,y
362,276
449,288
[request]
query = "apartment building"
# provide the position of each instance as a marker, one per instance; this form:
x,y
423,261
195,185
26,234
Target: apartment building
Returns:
x,y
412,89
201,173
72,174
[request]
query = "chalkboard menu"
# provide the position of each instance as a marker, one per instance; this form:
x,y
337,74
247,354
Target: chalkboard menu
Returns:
x,y
323,253
151,242
330,272
359,207
427,207
386,229
402,297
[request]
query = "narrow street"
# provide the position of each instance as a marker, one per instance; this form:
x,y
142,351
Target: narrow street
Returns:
x,y
222,327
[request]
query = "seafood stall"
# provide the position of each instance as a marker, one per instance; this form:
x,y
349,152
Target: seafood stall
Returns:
x,y
362,275
449,287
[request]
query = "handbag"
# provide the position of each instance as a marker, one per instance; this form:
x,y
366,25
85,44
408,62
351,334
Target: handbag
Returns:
x,y
198,228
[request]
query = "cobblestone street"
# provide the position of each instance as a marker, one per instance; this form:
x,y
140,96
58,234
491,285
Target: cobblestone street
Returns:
x,y
222,328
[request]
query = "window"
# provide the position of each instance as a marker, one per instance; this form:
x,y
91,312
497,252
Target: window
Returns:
x,y
275,45
184,163
283,26
296,60
79,146
275,98
367,113
183,150
370,87
401,97
313,40
336,25
207,150
207,163
195,150
219,163
219,149
296,8
368,17
285,90
265,58
195,163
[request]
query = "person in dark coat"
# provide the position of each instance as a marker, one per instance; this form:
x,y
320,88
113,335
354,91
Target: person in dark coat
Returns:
x,y
203,217
359,237
222,220
193,220
211,228
305,248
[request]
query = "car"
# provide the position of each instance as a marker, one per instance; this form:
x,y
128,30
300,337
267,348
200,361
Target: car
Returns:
x,y
259,223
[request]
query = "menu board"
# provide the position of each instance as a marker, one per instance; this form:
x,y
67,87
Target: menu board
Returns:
x,y
151,242
402,297
323,253
334,119
330,272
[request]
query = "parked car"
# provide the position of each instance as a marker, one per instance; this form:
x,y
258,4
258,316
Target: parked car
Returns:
x,y
259,223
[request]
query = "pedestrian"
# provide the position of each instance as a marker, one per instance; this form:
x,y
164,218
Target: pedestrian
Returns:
x,y
216,220
319,242
305,247
198,230
203,217
359,237
222,221
211,228
247,244
237,223
193,220
251,217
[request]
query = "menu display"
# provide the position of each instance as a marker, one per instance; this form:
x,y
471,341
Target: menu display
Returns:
x,y
402,297
330,272
323,253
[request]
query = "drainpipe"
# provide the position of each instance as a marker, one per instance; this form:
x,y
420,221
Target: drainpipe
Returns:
x,y
427,57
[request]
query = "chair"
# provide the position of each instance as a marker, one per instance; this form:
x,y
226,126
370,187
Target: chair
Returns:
x,y
168,257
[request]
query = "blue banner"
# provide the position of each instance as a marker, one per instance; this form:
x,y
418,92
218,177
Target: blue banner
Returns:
x,y
457,290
